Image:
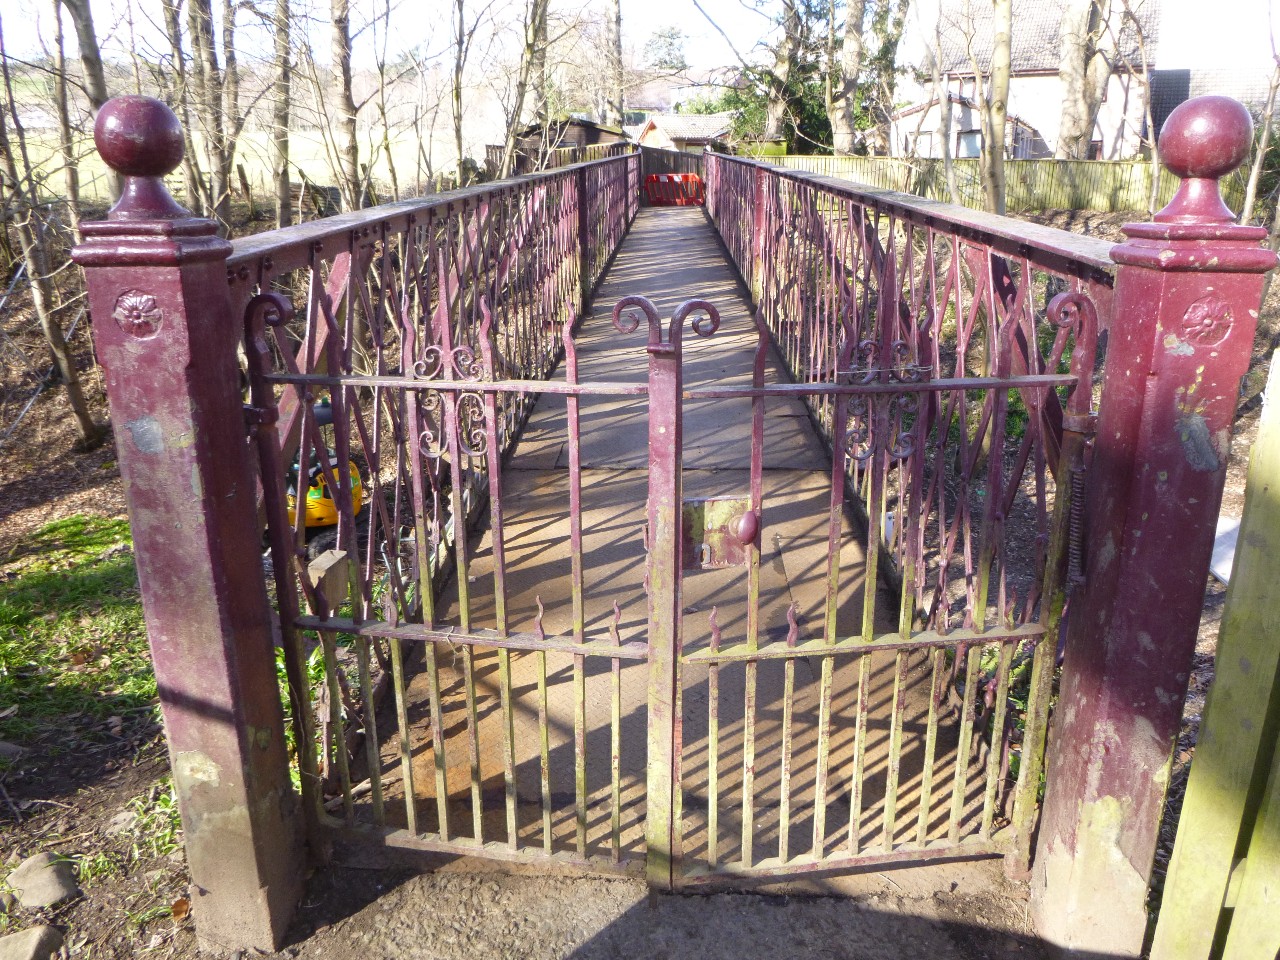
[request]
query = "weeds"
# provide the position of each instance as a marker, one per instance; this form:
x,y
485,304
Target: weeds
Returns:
x,y
157,827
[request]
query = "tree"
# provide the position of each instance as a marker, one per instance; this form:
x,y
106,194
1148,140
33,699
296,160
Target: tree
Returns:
x,y
791,89
942,95
991,93
842,75
664,50
174,83
348,149
95,78
1085,68
615,106
217,99
66,144
1262,152
20,199
280,105
532,54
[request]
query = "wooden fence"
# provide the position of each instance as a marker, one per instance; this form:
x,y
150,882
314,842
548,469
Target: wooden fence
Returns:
x,y
1108,186
1222,894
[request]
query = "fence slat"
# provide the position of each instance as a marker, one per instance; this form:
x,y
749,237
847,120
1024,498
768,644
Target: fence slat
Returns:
x,y
1106,186
1239,729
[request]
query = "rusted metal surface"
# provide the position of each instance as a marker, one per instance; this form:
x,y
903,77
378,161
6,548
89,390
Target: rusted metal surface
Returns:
x,y
166,334
1186,305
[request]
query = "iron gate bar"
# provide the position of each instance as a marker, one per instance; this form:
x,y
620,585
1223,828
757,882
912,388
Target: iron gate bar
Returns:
x,y
608,388
514,640
806,864
857,646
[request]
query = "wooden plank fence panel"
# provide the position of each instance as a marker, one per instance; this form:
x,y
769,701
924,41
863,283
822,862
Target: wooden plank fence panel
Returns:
x,y
1255,929
1107,186
1238,735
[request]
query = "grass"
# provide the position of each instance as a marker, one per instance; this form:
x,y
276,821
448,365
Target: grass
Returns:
x,y
73,647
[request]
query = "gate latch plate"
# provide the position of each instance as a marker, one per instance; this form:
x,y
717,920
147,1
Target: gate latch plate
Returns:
x,y
717,531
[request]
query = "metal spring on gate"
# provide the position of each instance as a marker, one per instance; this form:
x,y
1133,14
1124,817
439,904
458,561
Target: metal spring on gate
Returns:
x,y
1075,543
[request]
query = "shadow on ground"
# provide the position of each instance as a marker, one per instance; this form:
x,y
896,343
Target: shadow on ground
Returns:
x,y
458,916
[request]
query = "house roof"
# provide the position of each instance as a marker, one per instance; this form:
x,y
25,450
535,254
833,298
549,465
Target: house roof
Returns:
x,y
1035,40
560,123
692,127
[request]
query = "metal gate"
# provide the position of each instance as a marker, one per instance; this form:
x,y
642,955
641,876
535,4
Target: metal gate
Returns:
x,y
464,598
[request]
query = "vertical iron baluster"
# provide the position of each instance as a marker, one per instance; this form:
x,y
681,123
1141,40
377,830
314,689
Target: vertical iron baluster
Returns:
x,y
964,748
930,746
996,755
788,717
579,612
859,753
895,748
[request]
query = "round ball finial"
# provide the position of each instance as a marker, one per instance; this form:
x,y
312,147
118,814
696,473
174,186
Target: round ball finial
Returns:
x,y
1207,137
138,136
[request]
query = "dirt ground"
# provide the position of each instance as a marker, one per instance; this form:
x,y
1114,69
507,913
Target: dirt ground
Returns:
x,y
68,804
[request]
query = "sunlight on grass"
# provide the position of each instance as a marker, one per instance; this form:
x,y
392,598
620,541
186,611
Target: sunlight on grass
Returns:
x,y
73,647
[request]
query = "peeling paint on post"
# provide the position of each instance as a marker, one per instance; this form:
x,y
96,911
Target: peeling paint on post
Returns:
x,y
166,337
1186,303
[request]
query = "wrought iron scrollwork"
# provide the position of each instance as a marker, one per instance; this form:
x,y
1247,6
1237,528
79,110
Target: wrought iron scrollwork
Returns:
x,y
881,423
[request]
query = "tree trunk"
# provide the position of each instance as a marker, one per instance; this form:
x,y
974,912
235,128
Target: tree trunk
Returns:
x,y
993,106
777,106
280,115
1084,69
348,147
1260,155
942,92
179,100
70,171
32,238
459,61
95,80
614,107
210,99
844,87
535,29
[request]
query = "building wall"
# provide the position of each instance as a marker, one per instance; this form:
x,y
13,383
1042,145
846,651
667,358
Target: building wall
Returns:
x,y
653,137
1036,100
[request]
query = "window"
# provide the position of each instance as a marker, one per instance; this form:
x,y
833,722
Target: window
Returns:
x,y
1095,150
969,143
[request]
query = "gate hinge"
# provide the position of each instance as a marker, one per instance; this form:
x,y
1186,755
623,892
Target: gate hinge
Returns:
x,y
255,417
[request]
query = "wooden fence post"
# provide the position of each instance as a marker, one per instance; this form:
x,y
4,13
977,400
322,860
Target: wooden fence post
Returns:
x,y
1185,310
1223,807
166,337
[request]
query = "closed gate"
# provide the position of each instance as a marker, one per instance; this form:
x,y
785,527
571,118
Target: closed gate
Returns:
x,y
668,632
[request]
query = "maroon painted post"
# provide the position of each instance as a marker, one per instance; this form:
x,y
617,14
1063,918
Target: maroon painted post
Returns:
x,y
166,337
759,225
1187,294
584,244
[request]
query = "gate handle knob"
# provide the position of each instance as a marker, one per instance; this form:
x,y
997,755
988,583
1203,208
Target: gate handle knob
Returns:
x,y
746,527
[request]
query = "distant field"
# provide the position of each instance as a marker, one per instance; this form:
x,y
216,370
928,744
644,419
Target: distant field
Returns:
x,y
307,155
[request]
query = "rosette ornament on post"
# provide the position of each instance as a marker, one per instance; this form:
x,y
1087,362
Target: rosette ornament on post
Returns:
x,y
1187,294
166,337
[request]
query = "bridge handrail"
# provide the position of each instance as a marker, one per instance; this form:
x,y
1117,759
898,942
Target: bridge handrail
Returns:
x,y
328,230
1050,247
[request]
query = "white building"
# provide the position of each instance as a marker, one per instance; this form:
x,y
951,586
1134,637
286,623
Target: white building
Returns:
x,y
1035,89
